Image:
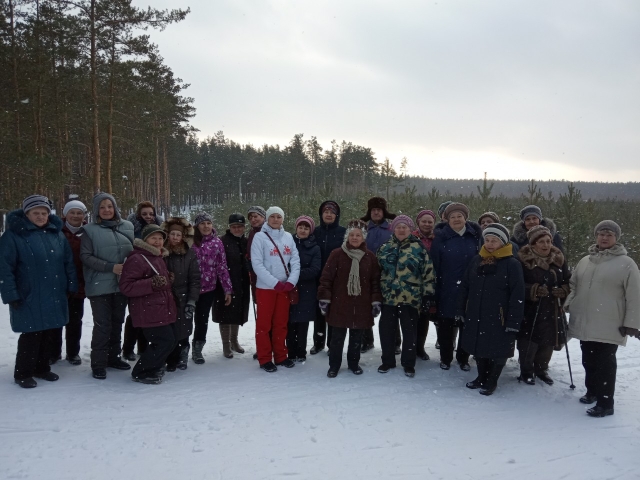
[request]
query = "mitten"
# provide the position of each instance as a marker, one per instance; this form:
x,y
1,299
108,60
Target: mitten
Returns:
x,y
542,291
189,310
630,331
158,282
324,306
377,308
288,287
279,287
558,292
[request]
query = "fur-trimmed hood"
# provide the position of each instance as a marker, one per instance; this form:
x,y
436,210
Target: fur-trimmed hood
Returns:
x,y
187,230
18,223
142,245
181,249
137,224
531,259
519,235
617,250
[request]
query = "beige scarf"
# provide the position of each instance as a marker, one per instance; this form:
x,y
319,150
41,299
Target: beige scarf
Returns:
x,y
353,287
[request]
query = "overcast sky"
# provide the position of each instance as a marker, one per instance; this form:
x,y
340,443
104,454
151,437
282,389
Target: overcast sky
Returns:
x,y
520,89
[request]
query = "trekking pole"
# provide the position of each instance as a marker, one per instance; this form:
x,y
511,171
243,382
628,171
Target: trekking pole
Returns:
x,y
533,325
566,342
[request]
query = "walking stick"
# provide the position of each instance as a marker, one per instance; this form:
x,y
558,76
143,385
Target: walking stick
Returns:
x,y
533,325
566,342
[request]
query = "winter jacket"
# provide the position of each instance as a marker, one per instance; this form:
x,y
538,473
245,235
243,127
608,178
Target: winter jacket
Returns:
x,y
183,263
139,224
426,241
237,313
407,272
101,248
346,311
605,295
37,270
310,269
551,271
148,306
266,261
519,236
213,264
74,243
377,235
451,254
329,236
491,299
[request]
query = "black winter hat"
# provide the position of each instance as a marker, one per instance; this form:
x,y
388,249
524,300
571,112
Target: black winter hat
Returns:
x,y
237,219
381,203
151,229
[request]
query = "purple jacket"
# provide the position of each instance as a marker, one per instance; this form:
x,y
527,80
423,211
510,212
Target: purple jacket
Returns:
x,y
213,264
148,307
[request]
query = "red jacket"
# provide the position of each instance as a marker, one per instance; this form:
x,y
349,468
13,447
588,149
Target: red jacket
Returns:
x,y
74,242
149,307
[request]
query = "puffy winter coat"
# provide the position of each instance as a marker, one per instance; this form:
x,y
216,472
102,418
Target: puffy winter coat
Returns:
x,y
139,224
310,269
426,241
346,311
519,236
329,236
37,270
491,299
237,313
183,263
101,248
551,271
265,259
377,235
149,307
451,254
605,295
74,243
213,264
407,272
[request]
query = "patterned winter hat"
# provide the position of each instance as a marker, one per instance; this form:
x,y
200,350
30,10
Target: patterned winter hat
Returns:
x,y
202,217
402,219
33,201
331,206
356,223
492,215
456,207
531,210
609,226
536,233
425,212
257,209
306,219
443,206
497,230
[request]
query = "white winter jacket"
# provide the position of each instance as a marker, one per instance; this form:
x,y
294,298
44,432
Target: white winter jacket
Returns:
x,y
605,295
266,262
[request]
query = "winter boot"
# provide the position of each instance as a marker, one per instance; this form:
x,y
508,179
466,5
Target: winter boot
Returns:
x,y
184,358
196,354
225,334
599,411
492,380
544,376
27,382
235,346
483,372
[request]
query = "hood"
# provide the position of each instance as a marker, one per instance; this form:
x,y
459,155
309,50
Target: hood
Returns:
x,y
520,232
531,260
181,249
18,223
616,251
99,197
137,223
336,222
141,247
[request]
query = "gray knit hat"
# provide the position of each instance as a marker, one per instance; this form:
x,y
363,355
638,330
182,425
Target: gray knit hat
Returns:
x,y
202,217
443,206
610,226
531,210
492,215
33,201
497,230
257,209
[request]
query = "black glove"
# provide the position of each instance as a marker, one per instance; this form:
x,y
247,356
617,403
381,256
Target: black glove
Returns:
x,y
189,310
15,304
630,331
459,321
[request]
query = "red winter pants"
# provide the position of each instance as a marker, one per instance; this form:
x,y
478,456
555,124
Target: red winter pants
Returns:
x,y
271,325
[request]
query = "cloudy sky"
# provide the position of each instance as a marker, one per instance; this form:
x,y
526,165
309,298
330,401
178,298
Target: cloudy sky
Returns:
x,y
519,89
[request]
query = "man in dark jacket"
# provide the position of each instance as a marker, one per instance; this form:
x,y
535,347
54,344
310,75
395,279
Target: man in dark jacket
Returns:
x,y
329,235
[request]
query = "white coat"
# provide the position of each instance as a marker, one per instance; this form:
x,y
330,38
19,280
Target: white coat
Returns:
x,y
266,262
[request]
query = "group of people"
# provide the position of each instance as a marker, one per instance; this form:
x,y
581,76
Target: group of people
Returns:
x,y
494,290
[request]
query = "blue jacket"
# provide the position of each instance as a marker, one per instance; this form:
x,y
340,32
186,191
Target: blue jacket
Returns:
x,y
309,252
37,270
329,236
377,235
451,255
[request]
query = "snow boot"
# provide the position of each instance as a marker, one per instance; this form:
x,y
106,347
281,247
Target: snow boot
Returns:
x,y
196,354
599,411
588,399
118,364
316,349
74,360
385,368
332,373
287,363
148,380
184,358
356,370
409,372
483,371
492,380
129,356
27,382
269,367
544,376
225,334
47,376
99,373
235,346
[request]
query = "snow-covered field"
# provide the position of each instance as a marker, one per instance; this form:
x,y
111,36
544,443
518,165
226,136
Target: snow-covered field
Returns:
x,y
227,419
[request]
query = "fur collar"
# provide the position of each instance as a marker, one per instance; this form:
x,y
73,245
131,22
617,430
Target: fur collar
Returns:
x,y
531,259
615,251
520,233
181,249
142,245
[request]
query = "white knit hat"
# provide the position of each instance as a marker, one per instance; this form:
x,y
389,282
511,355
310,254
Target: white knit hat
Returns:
x,y
273,210
74,204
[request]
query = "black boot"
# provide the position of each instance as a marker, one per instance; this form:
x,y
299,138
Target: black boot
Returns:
x,y
483,372
544,376
197,352
599,411
184,358
492,380
588,398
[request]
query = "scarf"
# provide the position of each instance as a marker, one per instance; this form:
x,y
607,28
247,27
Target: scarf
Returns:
x,y
71,228
503,252
461,232
353,287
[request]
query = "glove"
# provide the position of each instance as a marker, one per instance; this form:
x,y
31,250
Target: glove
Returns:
x,y
15,304
288,287
279,287
459,320
377,308
158,282
630,331
189,310
511,330
324,306
542,291
558,292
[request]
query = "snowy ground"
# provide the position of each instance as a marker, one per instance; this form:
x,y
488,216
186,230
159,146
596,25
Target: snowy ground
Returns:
x,y
228,419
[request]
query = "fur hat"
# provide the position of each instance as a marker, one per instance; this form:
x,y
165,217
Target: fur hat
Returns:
x,y
71,204
33,201
353,224
257,209
236,219
497,230
456,207
425,212
531,210
178,223
306,219
608,225
381,203
402,219
492,215
151,229
442,207
273,210
144,204
536,233
202,217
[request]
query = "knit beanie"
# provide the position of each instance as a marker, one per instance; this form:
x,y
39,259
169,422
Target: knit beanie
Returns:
x,y
151,229
492,215
306,219
497,230
202,217
257,209
236,219
456,207
402,219
531,210
331,206
425,212
273,210
33,201
610,226
536,233
98,198
74,204
443,206
356,224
